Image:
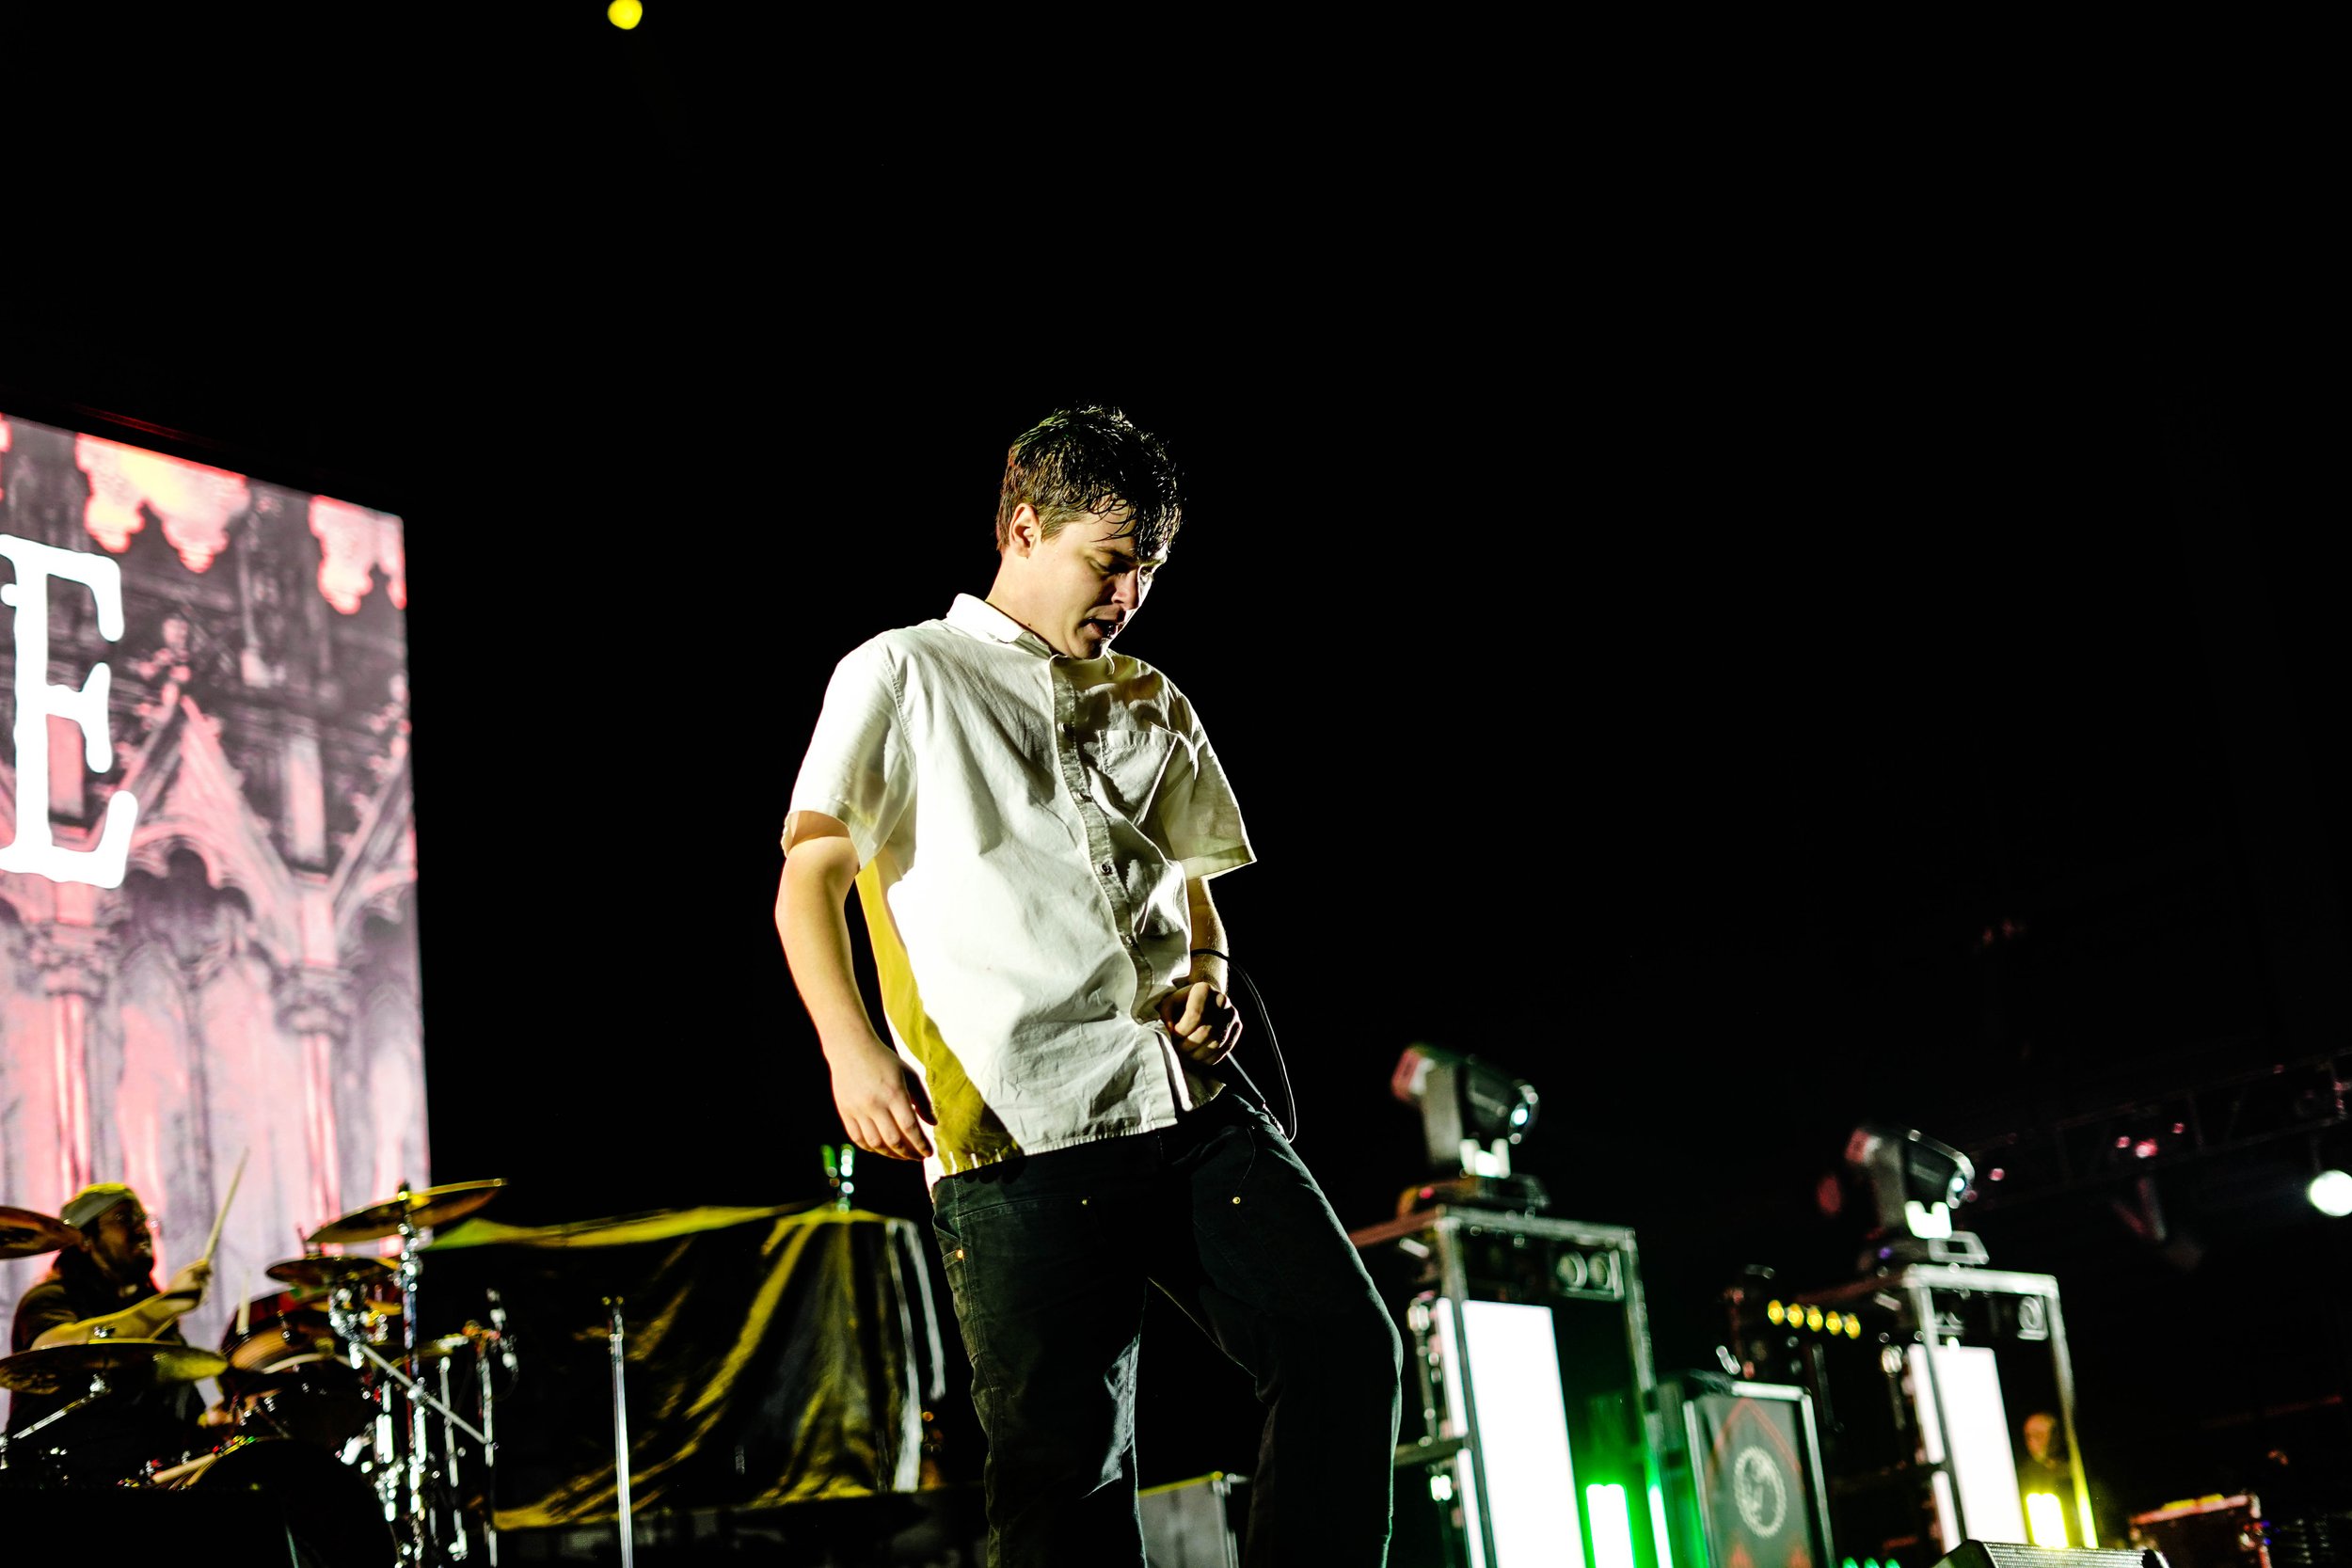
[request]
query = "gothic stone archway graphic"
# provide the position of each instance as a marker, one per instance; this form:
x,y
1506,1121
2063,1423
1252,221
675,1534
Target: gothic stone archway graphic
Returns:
x,y
208,941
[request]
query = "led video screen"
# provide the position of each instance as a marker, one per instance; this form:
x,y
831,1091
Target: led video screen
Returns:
x,y
208,936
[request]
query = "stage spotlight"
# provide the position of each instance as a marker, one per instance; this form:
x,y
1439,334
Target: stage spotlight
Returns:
x,y
624,14
2045,1520
1914,1184
1473,1114
2331,1192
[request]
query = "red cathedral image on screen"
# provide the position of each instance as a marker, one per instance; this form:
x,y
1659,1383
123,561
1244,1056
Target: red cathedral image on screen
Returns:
x,y
208,942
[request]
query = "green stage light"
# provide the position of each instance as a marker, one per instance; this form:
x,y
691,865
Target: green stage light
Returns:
x,y
1612,1528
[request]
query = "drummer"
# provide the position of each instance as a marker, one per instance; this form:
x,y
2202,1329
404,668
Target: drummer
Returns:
x,y
106,1289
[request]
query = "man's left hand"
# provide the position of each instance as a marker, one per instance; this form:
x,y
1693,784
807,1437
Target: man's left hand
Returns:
x,y
1203,1020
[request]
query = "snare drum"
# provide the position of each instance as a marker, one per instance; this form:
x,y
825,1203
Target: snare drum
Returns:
x,y
332,1512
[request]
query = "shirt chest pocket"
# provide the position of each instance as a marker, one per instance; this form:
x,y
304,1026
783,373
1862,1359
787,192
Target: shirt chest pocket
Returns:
x,y
1131,768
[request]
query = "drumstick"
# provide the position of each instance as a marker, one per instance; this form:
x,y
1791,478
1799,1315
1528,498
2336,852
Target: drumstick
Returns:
x,y
244,1304
222,1218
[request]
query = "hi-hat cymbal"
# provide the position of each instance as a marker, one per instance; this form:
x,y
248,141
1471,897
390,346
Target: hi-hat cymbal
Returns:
x,y
130,1363
323,1272
423,1209
24,1233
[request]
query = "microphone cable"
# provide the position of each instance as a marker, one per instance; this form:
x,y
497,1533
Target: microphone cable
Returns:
x,y
1288,1116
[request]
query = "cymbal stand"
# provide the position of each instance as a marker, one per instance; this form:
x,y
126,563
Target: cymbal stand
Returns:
x,y
349,1324
409,1387
489,1448
617,1332
456,1550
99,1389
497,1340
417,1544
418,1526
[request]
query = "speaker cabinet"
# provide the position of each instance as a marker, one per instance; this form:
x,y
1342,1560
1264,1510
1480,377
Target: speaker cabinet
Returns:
x,y
1193,1523
1999,1554
1742,1463
1527,1392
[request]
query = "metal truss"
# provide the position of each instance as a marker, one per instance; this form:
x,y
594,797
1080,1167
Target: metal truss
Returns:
x,y
2150,1133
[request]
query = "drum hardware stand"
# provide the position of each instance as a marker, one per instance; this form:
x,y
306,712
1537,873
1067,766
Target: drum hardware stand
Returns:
x,y
413,1393
620,1434
457,1552
99,1389
498,1334
428,1526
419,1541
418,1523
489,1446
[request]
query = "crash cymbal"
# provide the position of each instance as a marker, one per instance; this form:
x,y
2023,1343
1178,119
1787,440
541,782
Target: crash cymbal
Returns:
x,y
129,1364
24,1233
425,1209
324,1273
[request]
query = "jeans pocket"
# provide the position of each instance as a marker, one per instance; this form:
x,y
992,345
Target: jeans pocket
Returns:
x,y
949,1232
1249,1135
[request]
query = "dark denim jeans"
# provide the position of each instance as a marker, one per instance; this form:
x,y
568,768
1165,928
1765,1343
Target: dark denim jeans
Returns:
x,y
1049,1256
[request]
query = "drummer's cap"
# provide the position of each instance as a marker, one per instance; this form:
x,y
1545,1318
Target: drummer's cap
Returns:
x,y
92,1201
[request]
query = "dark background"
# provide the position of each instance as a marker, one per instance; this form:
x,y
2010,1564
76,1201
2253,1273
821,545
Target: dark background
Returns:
x,y
1663,598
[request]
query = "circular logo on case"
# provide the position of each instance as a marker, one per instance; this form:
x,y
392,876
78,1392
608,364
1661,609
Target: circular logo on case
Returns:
x,y
1761,1493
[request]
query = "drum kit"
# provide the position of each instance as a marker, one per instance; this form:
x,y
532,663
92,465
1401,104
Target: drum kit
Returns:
x,y
377,1440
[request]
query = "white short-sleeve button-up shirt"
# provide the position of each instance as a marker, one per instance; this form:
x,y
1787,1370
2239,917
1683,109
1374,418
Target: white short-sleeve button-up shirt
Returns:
x,y
1024,825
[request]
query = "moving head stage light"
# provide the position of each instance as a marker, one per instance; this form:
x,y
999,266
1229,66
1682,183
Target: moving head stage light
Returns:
x,y
1914,1184
1473,1112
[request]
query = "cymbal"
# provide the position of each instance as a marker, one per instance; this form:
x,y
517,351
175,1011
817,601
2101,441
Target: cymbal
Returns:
x,y
24,1233
293,1371
323,1272
426,1208
134,1363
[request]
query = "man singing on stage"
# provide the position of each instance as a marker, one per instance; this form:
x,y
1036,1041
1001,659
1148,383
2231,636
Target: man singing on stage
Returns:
x,y
1031,821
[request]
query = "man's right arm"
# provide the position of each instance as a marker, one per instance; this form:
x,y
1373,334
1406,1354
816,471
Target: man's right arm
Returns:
x,y
869,1083
143,1320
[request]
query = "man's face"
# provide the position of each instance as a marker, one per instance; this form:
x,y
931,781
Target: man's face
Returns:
x,y
1086,583
121,1243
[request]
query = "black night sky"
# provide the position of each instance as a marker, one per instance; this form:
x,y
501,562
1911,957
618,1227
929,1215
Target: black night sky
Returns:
x,y
1658,624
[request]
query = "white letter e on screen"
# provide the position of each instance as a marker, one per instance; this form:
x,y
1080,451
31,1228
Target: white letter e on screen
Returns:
x,y
35,849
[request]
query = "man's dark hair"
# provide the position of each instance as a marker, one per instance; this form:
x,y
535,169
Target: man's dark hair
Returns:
x,y
1093,459
82,1274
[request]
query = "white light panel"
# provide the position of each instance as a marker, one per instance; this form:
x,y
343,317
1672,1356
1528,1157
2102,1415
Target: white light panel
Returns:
x,y
1983,1463
1522,1432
